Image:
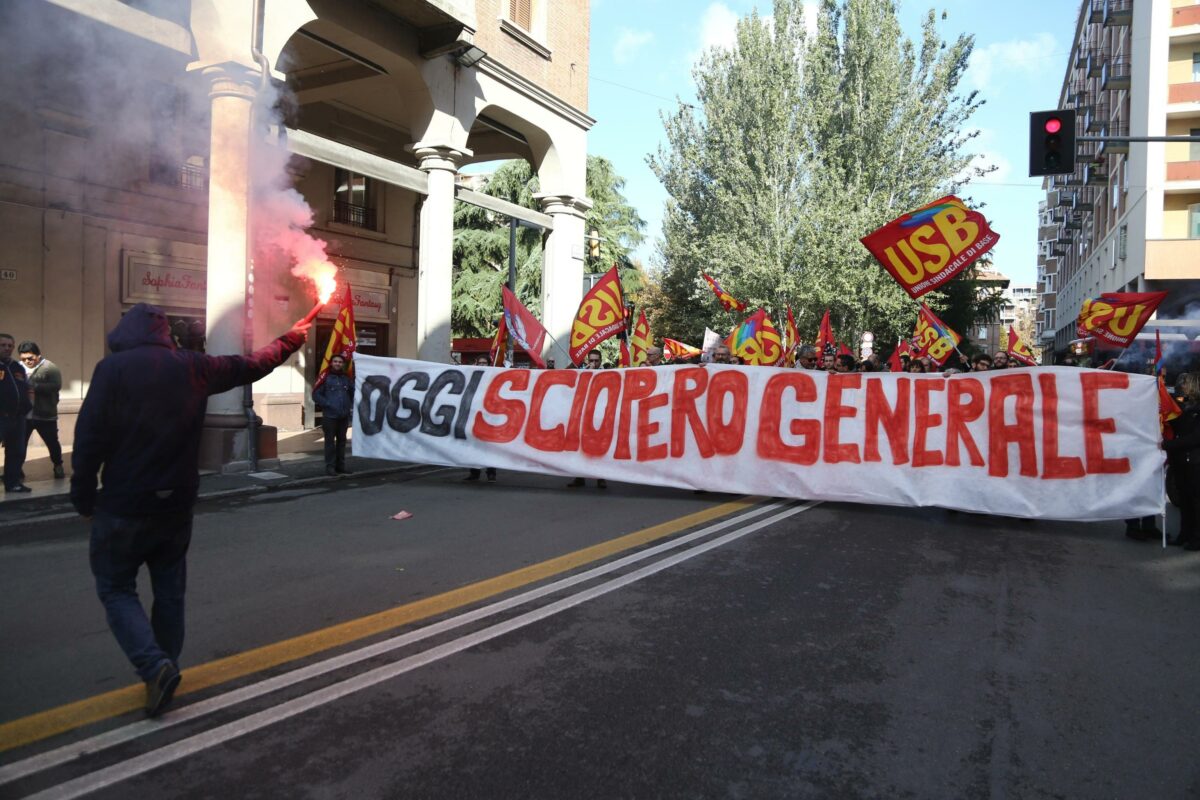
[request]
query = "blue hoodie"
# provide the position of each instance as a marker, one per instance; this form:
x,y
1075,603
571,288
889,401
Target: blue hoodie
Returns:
x,y
144,411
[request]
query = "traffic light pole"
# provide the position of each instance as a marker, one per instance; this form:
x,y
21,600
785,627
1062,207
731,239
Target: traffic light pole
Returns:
x,y
1137,138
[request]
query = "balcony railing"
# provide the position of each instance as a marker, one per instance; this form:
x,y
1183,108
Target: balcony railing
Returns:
x,y
1183,93
1173,259
350,214
1115,74
186,176
1185,15
1183,170
1118,12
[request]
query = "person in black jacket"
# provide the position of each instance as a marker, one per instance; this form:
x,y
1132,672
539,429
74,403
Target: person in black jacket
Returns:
x,y
141,423
336,396
16,399
1183,460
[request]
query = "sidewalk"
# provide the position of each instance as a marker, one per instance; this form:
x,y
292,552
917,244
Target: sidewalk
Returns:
x,y
301,461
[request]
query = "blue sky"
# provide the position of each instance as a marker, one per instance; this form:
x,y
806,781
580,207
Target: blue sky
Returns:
x,y
642,54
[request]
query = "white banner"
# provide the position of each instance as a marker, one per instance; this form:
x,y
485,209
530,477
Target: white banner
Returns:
x,y
1053,442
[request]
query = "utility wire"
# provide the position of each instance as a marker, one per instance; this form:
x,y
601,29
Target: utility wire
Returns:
x,y
640,91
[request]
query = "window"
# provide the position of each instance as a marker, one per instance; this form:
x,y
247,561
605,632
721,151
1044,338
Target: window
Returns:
x,y
1195,67
521,13
353,199
1194,221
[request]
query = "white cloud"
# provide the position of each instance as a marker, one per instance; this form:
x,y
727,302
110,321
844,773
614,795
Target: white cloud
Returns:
x,y
628,43
718,27
987,155
1025,56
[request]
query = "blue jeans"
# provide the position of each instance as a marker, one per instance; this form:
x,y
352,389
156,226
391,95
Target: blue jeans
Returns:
x,y
119,547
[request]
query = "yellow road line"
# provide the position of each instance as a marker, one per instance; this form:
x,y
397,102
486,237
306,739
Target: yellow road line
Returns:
x,y
67,717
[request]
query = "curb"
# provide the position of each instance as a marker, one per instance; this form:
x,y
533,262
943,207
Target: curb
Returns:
x,y
260,488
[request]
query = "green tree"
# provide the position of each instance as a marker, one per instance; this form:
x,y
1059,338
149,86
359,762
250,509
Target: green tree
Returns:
x,y
800,148
481,240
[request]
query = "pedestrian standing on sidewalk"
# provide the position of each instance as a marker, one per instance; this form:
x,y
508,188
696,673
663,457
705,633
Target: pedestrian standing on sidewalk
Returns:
x,y
336,397
16,400
46,381
140,423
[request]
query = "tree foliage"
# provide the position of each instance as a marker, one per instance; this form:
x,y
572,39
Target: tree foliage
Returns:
x,y
481,244
798,148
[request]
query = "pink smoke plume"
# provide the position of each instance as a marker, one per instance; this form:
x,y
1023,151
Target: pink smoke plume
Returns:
x,y
281,217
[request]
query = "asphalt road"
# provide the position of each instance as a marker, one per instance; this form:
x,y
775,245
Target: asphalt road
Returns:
x,y
781,650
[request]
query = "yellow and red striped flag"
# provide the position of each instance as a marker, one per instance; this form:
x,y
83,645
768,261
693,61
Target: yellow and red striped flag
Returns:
x,y
343,341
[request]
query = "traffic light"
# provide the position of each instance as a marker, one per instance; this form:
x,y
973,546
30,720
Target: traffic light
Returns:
x,y
594,243
1052,142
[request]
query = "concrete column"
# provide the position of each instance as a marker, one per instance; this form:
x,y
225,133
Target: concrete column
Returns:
x,y
435,266
233,89
562,270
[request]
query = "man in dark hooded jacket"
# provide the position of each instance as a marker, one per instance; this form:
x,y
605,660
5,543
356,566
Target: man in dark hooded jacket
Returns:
x,y
141,423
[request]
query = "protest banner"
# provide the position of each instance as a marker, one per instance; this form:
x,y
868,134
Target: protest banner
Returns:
x,y
925,248
1055,443
1116,317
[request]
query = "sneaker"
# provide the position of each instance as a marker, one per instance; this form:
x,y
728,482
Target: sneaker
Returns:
x,y
161,689
20,488
575,484
491,476
473,475
58,471
601,484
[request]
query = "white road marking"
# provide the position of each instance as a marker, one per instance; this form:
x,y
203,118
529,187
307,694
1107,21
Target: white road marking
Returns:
x,y
183,748
72,751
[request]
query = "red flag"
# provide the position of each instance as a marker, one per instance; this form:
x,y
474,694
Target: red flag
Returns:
x,y
826,344
1116,317
673,349
342,341
844,349
499,344
903,348
601,315
1168,409
728,301
791,339
925,248
624,358
527,332
933,338
1018,350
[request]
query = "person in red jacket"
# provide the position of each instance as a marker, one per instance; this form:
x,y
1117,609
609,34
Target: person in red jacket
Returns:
x,y
140,424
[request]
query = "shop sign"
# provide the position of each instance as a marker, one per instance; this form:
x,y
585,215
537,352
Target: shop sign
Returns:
x,y
370,304
151,278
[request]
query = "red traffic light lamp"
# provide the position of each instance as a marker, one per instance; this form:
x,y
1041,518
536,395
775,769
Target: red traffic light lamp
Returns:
x,y
1052,142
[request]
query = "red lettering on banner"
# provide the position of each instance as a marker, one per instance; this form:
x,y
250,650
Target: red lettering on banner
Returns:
x,y
1002,433
924,421
551,440
1053,465
893,419
835,411
770,415
576,418
639,384
646,429
512,410
958,414
690,384
595,441
1095,426
727,436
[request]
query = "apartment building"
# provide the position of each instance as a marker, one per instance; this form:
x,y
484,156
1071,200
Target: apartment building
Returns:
x,y
1128,219
136,135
